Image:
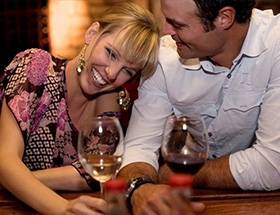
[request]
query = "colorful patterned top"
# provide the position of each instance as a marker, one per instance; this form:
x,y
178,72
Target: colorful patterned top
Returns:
x,y
35,91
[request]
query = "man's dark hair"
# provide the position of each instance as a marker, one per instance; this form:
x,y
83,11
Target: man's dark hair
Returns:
x,y
208,10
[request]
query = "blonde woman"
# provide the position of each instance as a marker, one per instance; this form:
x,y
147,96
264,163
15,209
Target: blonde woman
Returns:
x,y
44,100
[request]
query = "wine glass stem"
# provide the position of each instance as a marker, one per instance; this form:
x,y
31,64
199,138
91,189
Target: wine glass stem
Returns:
x,y
102,189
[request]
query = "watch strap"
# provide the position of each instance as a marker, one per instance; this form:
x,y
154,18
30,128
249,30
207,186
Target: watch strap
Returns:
x,y
132,185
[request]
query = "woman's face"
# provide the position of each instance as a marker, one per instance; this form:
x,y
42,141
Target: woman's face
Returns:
x,y
108,70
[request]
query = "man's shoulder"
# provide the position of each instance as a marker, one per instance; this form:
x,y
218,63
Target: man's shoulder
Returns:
x,y
169,56
167,42
167,46
168,51
266,22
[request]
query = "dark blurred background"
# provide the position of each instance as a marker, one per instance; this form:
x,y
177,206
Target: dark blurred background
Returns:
x,y
24,24
58,26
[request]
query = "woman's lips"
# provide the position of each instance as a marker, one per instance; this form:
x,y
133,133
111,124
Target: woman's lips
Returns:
x,y
97,77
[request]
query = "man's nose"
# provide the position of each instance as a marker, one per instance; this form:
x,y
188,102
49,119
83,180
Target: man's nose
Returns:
x,y
168,29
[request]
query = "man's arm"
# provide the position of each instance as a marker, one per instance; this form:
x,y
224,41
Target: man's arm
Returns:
x,y
214,174
148,198
138,169
153,198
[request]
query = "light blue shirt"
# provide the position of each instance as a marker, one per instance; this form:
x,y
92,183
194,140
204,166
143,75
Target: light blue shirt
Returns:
x,y
240,105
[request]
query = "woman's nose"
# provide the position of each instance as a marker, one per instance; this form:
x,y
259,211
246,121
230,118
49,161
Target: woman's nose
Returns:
x,y
112,71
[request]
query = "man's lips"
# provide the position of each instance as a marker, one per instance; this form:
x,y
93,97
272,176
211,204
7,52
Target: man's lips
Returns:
x,y
179,44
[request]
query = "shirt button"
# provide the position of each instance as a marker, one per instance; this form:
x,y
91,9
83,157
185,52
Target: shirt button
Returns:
x,y
210,134
229,76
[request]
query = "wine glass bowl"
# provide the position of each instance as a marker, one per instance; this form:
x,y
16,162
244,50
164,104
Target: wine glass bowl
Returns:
x,y
100,147
184,143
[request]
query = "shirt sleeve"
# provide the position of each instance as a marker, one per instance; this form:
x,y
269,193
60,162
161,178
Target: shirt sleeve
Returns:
x,y
257,168
143,137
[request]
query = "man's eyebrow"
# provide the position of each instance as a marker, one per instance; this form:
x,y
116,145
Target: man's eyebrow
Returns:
x,y
174,22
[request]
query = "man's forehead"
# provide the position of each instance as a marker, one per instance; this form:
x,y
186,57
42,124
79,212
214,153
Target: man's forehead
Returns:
x,y
178,11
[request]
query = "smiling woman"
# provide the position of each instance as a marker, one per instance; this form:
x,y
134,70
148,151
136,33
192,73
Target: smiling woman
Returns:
x,y
44,100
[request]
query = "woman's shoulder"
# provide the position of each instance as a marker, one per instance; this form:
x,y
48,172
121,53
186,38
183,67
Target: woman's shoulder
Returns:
x,y
35,65
33,52
34,56
31,56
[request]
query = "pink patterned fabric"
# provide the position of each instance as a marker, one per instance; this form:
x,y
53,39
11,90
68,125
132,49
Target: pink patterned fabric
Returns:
x,y
34,88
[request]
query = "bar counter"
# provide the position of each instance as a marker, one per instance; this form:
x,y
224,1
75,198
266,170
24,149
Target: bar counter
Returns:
x,y
218,202
233,202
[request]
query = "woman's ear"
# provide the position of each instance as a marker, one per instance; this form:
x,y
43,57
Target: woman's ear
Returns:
x,y
226,17
93,29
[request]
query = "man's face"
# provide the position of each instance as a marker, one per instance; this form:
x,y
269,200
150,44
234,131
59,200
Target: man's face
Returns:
x,y
185,27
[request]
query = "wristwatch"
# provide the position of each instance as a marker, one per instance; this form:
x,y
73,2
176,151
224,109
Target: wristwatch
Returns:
x,y
133,184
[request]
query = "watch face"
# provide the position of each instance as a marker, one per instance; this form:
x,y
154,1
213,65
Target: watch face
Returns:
x,y
132,183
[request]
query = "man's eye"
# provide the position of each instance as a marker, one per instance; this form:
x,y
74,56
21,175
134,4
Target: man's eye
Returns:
x,y
177,26
173,24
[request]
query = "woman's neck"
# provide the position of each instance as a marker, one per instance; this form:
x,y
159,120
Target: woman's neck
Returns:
x,y
79,105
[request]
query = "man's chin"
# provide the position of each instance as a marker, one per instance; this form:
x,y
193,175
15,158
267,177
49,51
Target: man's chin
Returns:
x,y
183,53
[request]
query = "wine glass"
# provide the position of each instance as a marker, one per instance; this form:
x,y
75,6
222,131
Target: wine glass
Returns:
x,y
185,143
101,147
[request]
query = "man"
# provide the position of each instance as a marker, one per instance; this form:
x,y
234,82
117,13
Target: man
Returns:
x,y
234,84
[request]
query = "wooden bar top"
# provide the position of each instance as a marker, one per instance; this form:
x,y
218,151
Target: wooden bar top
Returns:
x,y
218,202
236,202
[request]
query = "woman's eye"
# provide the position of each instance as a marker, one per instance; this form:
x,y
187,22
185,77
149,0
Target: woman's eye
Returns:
x,y
111,53
130,72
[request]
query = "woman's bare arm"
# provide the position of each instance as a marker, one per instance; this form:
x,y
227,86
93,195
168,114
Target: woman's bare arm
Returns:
x,y
24,185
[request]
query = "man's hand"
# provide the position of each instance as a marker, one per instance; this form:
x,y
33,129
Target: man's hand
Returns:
x,y
158,199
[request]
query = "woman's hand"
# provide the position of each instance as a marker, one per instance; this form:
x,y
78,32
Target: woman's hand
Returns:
x,y
86,205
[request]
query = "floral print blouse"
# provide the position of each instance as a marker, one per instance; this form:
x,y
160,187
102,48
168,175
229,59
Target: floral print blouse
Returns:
x,y
35,91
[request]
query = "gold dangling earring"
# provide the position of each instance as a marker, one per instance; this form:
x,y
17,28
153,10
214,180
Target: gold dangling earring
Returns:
x,y
123,99
81,61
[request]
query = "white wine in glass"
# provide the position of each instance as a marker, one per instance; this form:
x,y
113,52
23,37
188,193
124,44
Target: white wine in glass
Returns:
x,y
101,147
185,143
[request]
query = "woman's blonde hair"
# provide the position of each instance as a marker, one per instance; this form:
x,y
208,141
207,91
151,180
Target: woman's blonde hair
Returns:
x,y
139,34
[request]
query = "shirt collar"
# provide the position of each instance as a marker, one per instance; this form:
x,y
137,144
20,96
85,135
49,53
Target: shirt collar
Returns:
x,y
254,45
204,64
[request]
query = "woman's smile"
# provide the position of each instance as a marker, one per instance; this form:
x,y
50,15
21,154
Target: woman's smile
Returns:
x,y
97,78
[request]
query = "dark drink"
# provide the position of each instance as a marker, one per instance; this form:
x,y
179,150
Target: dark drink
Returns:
x,y
184,163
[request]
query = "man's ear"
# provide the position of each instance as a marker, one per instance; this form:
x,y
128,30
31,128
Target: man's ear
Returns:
x,y
226,17
92,30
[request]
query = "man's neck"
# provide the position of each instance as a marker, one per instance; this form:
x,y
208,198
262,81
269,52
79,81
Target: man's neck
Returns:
x,y
233,44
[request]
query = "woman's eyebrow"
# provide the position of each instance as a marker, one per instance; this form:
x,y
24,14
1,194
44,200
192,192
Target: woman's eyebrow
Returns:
x,y
114,49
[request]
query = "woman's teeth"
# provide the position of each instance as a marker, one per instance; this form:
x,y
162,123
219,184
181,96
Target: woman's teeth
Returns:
x,y
97,77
